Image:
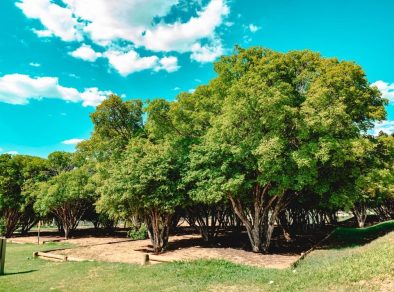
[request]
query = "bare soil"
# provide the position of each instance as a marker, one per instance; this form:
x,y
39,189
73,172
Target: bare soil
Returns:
x,y
182,247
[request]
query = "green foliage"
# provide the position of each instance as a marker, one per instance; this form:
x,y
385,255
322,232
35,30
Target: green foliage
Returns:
x,y
67,188
66,196
18,173
147,178
115,123
138,233
284,120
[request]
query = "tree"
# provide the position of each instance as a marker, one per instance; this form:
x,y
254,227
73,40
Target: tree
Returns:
x,y
115,123
17,174
145,183
372,177
67,195
284,120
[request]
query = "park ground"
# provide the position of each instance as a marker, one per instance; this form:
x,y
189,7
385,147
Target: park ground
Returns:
x,y
351,260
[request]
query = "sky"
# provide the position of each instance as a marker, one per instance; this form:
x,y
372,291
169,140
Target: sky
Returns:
x,y
60,58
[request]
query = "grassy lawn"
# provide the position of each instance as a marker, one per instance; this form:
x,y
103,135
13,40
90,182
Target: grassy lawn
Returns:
x,y
368,267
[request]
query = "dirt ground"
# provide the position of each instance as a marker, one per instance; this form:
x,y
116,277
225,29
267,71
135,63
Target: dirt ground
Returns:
x,y
182,248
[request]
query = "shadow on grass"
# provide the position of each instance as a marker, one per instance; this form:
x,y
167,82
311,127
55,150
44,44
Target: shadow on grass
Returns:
x,y
18,273
350,237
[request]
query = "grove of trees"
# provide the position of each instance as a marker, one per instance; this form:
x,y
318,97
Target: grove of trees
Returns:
x,y
275,140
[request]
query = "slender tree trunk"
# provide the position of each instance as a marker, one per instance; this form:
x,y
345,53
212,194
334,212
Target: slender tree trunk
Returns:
x,y
69,216
158,229
360,212
11,218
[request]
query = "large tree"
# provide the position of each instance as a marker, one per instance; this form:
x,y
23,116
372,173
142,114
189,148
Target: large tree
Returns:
x,y
17,175
285,119
145,183
368,180
67,196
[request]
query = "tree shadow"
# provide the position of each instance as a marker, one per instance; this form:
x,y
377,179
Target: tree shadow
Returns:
x,y
18,273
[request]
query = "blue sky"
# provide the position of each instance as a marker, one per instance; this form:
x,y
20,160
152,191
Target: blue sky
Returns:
x,y
60,58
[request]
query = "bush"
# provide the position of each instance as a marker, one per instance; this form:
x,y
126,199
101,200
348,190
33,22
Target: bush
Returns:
x,y
138,233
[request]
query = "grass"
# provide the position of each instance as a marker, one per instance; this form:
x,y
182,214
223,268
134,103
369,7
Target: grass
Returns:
x,y
358,268
347,237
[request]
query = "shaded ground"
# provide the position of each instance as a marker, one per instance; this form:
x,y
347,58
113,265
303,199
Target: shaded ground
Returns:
x,y
89,244
185,247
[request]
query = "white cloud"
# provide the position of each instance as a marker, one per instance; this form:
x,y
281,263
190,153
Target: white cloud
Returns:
x,y
383,126
204,54
125,19
19,89
169,64
42,33
386,89
73,141
12,152
253,28
176,88
140,23
57,20
86,53
181,37
93,96
34,64
129,62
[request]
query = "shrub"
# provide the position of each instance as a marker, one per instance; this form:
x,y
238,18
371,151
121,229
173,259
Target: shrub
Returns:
x,y
138,233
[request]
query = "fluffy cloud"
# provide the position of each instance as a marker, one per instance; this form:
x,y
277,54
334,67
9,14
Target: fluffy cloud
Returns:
x,y
19,89
205,53
86,53
137,22
73,141
129,62
386,89
169,64
384,126
57,20
125,19
253,28
181,37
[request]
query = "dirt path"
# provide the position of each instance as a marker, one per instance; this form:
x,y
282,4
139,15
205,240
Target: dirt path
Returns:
x,y
182,248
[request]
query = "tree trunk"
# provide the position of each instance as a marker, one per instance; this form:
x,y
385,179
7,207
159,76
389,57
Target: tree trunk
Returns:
x,y
259,220
158,225
11,219
207,220
360,212
69,215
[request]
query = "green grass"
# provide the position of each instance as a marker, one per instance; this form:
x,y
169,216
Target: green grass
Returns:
x,y
362,268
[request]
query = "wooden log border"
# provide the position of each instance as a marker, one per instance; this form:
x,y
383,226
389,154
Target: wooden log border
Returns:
x,y
53,256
